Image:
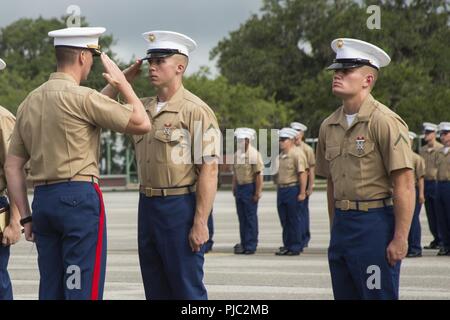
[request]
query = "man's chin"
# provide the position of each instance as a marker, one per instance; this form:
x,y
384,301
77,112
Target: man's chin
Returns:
x,y
339,93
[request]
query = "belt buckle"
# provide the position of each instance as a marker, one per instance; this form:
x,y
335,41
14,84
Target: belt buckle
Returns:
x,y
148,192
345,205
363,206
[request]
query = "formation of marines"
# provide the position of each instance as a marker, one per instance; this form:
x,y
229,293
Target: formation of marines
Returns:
x,y
376,184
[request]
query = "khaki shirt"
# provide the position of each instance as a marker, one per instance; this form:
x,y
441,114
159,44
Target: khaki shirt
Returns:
x,y
58,128
443,165
290,165
7,121
183,133
419,166
359,159
247,165
429,155
309,153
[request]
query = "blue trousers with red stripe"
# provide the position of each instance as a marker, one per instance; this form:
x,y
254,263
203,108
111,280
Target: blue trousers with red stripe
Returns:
x,y
70,234
5,282
169,268
357,255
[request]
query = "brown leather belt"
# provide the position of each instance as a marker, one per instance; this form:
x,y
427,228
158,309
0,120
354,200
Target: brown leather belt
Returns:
x,y
288,185
163,192
77,177
346,205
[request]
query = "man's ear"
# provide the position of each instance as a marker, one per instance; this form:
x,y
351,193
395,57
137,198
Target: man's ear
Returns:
x,y
369,80
82,57
180,68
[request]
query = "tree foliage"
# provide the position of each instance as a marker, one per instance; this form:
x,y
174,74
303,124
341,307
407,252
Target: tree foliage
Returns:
x,y
415,33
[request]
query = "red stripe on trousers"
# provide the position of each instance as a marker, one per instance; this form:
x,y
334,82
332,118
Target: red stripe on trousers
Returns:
x,y
98,250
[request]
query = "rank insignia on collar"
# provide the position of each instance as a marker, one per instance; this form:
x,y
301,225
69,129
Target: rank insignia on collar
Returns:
x,y
360,141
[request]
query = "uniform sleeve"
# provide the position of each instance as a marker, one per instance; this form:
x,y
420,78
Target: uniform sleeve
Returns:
x,y
6,129
300,162
206,133
311,157
259,166
107,113
420,170
17,145
393,142
322,165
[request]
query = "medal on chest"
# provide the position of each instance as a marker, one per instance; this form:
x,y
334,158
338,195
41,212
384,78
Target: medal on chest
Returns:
x,y
167,130
360,143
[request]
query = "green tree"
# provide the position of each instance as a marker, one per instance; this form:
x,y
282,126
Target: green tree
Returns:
x,y
415,33
29,53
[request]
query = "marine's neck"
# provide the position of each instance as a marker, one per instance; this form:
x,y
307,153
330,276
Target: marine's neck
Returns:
x,y
75,74
352,104
165,93
431,143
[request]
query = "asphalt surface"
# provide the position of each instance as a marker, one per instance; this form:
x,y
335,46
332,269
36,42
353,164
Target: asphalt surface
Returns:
x,y
262,276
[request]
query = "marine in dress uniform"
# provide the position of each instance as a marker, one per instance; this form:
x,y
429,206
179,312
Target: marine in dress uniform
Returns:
x,y
9,215
415,234
247,187
58,129
177,169
291,193
364,152
311,159
428,153
443,188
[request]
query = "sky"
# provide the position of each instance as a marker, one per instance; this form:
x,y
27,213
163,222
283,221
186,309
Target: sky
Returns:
x,y
206,21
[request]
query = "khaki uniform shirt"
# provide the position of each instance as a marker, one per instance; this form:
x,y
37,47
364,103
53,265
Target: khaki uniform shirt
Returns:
x,y
290,165
184,133
419,166
309,153
58,128
359,159
443,165
7,121
247,165
429,155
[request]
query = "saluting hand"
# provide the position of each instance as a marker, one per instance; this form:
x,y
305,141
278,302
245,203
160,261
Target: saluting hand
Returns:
x,y
133,71
396,251
198,236
112,74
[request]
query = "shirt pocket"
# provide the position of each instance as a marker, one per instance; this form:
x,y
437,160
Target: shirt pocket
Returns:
x,y
166,141
366,149
332,152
